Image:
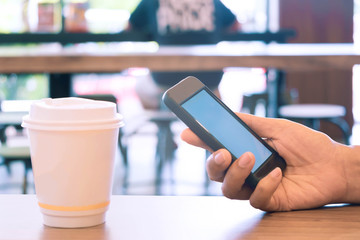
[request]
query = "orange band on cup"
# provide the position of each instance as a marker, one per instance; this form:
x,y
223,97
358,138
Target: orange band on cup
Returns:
x,y
74,208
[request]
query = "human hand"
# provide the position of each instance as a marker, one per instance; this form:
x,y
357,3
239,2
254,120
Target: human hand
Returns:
x,y
315,174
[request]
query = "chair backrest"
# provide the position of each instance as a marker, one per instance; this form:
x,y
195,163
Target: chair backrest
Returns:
x,y
113,99
101,97
252,101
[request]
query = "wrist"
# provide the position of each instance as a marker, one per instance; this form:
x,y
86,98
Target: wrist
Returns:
x,y
350,160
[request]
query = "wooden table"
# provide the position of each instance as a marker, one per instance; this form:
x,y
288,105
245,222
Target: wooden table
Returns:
x,y
174,217
53,58
61,62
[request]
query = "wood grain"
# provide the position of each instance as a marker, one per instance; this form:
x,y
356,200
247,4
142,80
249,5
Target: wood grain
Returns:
x,y
289,57
182,217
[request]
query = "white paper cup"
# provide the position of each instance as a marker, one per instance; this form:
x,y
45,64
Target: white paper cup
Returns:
x,y
73,144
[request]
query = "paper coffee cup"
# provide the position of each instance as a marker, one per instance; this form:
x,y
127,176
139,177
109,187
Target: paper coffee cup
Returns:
x,y
73,143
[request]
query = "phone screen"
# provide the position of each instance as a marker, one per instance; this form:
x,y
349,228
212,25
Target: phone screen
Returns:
x,y
224,127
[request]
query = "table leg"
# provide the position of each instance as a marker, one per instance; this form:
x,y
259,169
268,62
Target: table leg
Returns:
x,y
275,85
2,134
165,150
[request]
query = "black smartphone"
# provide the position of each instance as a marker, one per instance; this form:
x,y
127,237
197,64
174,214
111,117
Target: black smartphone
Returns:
x,y
219,127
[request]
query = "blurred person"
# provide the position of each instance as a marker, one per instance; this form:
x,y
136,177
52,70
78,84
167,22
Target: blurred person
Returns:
x,y
180,22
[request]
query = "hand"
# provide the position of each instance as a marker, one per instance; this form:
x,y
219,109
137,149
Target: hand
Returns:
x,y
315,174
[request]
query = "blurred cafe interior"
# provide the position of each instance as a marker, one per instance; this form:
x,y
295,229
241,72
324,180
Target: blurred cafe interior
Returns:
x,y
152,159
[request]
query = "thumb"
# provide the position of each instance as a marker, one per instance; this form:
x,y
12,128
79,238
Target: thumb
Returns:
x,y
264,127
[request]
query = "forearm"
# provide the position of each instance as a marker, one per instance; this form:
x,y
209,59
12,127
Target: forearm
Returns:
x,y
351,163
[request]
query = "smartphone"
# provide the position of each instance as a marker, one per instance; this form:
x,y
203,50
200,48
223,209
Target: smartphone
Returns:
x,y
219,127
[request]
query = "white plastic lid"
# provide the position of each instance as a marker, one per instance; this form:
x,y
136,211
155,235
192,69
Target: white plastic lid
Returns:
x,y
72,114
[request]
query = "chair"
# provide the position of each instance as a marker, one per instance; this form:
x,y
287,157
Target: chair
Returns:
x,y
312,114
15,154
166,146
309,114
251,102
10,154
121,139
157,113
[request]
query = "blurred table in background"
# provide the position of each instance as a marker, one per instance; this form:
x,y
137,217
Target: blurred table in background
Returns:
x,y
60,62
114,57
11,118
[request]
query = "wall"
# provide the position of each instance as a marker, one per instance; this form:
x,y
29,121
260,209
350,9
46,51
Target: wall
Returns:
x,y
321,21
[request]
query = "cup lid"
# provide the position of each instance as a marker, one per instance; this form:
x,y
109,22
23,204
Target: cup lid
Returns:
x,y
72,113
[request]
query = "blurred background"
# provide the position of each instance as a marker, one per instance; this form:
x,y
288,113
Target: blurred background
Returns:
x,y
110,17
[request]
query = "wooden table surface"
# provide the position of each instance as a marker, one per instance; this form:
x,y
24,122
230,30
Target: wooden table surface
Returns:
x,y
115,57
182,217
61,62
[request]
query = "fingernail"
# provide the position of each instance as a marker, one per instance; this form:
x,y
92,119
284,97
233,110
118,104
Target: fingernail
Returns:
x,y
244,161
219,158
275,173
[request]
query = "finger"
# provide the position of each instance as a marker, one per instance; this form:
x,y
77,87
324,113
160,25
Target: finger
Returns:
x,y
234,186
191,138
217,164
262,197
